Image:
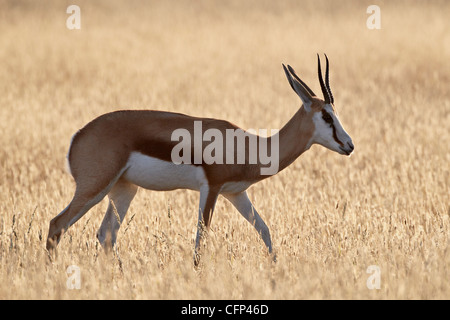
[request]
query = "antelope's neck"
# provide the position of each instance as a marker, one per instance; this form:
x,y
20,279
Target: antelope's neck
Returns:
x,y
295,138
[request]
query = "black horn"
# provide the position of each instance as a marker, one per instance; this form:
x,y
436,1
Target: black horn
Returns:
x,y
327,81
322,84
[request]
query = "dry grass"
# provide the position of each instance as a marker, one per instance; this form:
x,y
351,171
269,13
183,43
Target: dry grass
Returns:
x,y
330,216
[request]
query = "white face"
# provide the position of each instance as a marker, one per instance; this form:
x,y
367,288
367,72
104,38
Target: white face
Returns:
x,y
330,133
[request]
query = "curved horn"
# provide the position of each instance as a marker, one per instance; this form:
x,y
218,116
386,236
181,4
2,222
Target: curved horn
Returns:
x,y
327,81
322,84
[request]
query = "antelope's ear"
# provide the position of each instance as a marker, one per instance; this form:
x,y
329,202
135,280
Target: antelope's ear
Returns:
x,y
300,88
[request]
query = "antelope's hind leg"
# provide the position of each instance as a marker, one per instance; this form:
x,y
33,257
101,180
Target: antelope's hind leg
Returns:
x,y
80,204
120,198
86,196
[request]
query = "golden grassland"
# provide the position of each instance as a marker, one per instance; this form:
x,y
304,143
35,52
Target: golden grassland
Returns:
x,y
330,217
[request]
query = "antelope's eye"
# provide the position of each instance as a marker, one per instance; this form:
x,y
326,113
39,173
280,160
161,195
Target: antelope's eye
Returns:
x,y
327,118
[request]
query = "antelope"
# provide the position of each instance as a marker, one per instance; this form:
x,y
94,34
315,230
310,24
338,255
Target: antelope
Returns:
x,y
120,151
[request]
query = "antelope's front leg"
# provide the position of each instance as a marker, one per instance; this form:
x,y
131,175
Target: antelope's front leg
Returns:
x,y
248,211
208,198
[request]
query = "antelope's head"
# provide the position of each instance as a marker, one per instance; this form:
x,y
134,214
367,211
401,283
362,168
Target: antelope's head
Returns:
x,y
328,130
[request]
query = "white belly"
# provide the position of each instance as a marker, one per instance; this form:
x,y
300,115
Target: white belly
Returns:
x,y
155,174
235,186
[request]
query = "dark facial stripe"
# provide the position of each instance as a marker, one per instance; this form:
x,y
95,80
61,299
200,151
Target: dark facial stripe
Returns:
x,y
335,136
328,119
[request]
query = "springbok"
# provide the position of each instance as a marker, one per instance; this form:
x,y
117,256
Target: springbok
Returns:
x,y
119,151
